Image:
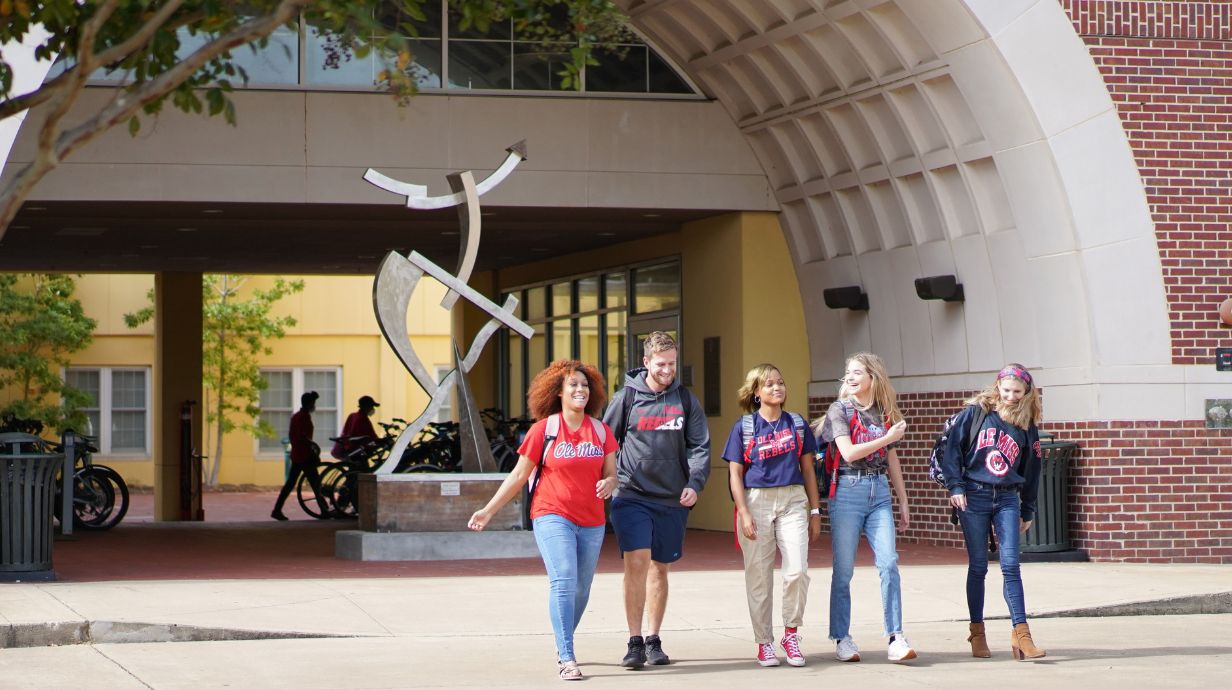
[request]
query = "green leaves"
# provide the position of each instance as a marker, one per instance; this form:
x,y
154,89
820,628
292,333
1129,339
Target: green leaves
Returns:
x,y
41,324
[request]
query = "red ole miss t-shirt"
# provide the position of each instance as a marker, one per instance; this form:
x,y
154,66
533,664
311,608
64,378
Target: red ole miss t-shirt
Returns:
x,y
570,470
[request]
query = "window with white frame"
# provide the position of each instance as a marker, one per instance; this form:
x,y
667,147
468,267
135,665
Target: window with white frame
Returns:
x,y
280,399
119,407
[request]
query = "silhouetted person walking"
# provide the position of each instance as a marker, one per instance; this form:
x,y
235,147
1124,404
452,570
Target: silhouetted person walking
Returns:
x,y
305,456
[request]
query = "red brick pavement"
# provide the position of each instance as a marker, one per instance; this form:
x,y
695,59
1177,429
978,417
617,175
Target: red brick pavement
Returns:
x,y
240,541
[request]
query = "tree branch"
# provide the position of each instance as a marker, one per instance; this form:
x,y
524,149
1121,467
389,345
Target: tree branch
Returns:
x,y
52,148
164,83
143,35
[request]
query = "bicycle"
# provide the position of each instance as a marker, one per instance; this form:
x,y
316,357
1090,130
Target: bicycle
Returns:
x,y
339,479
438,449
100,495
505,435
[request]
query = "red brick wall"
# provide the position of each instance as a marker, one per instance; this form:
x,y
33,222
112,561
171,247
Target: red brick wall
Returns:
x,y
1168,67
1154,491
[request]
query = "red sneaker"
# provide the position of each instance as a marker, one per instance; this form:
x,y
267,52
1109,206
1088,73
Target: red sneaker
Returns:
x,y
791,647
766,655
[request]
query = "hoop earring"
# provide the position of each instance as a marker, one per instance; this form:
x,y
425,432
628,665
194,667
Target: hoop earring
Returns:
x,y
756,399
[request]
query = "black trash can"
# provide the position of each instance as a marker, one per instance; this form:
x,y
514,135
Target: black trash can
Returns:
x,y
27,477
1050,533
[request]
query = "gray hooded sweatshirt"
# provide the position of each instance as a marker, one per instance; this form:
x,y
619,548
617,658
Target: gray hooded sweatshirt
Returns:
x,y
661,452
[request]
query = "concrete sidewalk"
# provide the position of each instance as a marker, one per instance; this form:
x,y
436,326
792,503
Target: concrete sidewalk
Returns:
x,y
493,632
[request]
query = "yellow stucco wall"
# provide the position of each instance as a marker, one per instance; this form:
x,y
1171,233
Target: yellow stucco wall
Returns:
x,y
336,328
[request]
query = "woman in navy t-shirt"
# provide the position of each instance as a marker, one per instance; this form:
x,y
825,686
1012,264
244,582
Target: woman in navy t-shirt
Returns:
x,y
993,483
770,460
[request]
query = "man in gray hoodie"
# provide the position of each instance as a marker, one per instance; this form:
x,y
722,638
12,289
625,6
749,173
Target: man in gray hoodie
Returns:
x,y
663,462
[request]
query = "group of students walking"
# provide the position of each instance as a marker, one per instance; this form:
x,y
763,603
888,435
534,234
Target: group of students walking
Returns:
x,y
650,454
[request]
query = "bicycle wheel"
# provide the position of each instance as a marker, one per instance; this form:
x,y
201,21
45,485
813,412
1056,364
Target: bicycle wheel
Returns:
x,y
100,498
340,484
425,467
504,456
307,499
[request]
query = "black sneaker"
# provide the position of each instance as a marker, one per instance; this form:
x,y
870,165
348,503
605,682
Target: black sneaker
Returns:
x,y
654,652
636,657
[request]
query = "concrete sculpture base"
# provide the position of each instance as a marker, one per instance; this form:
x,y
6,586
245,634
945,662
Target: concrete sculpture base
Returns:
x,y
357,545
422,517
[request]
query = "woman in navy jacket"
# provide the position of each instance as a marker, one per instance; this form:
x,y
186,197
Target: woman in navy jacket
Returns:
x,y
993,484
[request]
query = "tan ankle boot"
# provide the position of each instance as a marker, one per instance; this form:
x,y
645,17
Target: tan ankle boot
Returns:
x,y
1023,646
979,643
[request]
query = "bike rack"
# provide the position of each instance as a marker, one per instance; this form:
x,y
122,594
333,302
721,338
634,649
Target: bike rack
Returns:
x,y
66,479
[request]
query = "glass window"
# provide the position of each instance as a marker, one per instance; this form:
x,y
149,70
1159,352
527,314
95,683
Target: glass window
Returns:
x,y
480,64
562,299
537,67
427,65
588,294
276,408
128,411
656,287
276,63
538,352
562,339
325,64
615,335
281,397
663,79
615,289
395,21
496,31
620,69
117,409
536,301
325,422
588,339
88,381
517,383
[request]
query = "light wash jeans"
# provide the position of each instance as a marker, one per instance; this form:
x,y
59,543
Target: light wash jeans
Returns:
x,y
569,554
862,504
781,515
989,507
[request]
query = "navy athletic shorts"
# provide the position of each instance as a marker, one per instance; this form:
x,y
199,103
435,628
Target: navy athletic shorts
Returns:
x,y
643,525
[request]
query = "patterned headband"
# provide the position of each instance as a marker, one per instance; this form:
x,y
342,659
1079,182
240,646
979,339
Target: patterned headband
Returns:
x,y
1016,372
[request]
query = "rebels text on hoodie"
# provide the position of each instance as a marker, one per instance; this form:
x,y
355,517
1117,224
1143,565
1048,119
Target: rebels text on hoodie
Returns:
x,y
661,452
1002,455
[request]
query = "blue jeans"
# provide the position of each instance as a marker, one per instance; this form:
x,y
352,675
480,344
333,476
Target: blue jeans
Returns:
x,y
990,507
569,554
862,503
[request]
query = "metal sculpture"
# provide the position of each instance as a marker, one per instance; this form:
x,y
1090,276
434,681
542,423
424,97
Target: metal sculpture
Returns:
x,y
391,295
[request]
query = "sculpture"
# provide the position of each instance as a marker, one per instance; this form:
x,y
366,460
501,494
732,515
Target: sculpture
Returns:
x,y
391,295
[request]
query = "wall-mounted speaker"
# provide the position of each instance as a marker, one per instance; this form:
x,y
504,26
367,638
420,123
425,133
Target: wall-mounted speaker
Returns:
x,y
939,287
849,297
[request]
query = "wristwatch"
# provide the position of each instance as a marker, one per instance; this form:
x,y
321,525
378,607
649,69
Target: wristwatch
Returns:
x,y
814,511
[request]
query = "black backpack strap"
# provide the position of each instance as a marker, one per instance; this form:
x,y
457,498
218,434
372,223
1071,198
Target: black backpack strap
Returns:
x,y
627,402
980,415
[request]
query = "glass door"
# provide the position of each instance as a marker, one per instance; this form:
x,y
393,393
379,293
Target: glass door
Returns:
x,y
642,326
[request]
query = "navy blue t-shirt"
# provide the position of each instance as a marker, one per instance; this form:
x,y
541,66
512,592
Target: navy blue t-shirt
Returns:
x,y
774,458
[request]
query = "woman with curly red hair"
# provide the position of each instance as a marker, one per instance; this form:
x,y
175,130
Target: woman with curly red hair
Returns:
x,y
575,456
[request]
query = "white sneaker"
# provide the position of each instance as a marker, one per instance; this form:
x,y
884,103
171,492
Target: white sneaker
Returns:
x,y
900,649
847,650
